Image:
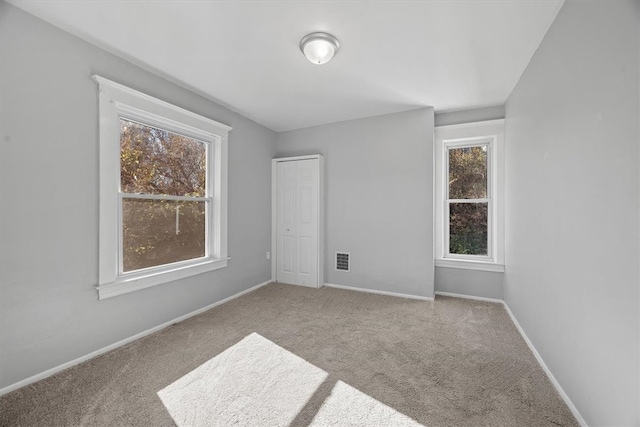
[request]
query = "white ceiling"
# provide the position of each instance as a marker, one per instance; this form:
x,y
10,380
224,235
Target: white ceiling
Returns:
x,y
394,55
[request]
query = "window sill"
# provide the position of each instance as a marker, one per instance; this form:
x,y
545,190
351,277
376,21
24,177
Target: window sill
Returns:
x,y
136,283
470,265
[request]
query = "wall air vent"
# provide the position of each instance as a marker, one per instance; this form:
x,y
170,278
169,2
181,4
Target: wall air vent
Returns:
x,y
342,261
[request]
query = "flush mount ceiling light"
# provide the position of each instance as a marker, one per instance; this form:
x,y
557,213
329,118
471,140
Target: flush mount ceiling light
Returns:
x,y
319,48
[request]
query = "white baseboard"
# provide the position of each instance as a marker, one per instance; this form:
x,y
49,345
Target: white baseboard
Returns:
x,y
373,291
113,346
544,366
450,294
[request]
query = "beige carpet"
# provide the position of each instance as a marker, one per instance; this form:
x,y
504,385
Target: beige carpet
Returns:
x,y
451,362
347,406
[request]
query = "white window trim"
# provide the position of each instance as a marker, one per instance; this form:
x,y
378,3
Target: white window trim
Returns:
x,y
491,132
115,101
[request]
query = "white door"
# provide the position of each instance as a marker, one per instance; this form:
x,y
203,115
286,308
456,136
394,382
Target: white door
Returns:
x,y
297,222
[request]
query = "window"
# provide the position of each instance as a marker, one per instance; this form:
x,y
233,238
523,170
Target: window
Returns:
x,y
163,193
469,205
468,199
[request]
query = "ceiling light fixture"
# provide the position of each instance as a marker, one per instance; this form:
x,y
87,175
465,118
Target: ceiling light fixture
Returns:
x,y
319,48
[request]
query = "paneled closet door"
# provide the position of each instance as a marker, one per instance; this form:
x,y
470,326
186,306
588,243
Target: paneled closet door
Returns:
x,y
297,222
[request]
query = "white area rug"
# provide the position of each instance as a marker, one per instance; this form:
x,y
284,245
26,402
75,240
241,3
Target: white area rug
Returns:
x,y
253,383
347,406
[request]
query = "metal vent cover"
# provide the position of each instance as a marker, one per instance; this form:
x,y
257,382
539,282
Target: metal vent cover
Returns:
x,y
342,261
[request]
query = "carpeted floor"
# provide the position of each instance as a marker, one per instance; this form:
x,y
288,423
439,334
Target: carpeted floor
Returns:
x,y
451,362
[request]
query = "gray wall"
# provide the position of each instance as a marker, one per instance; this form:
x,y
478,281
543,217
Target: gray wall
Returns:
x,y
572,206
484,284
469,116
379,198
49,312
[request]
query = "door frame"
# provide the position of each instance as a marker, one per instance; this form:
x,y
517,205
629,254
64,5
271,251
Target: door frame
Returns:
x,y
274,213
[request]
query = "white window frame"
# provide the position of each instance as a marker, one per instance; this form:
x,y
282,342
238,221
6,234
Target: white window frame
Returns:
x,y
115,102
491,134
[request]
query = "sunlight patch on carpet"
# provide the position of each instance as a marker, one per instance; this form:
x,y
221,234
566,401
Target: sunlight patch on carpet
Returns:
x,y
348,406
253,383
258,383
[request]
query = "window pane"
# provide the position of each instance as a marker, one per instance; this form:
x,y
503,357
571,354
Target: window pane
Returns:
x,y
155,161
157,232
468,228
468,172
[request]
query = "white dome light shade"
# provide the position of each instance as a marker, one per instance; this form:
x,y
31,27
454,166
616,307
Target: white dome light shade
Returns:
x,y
319,48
